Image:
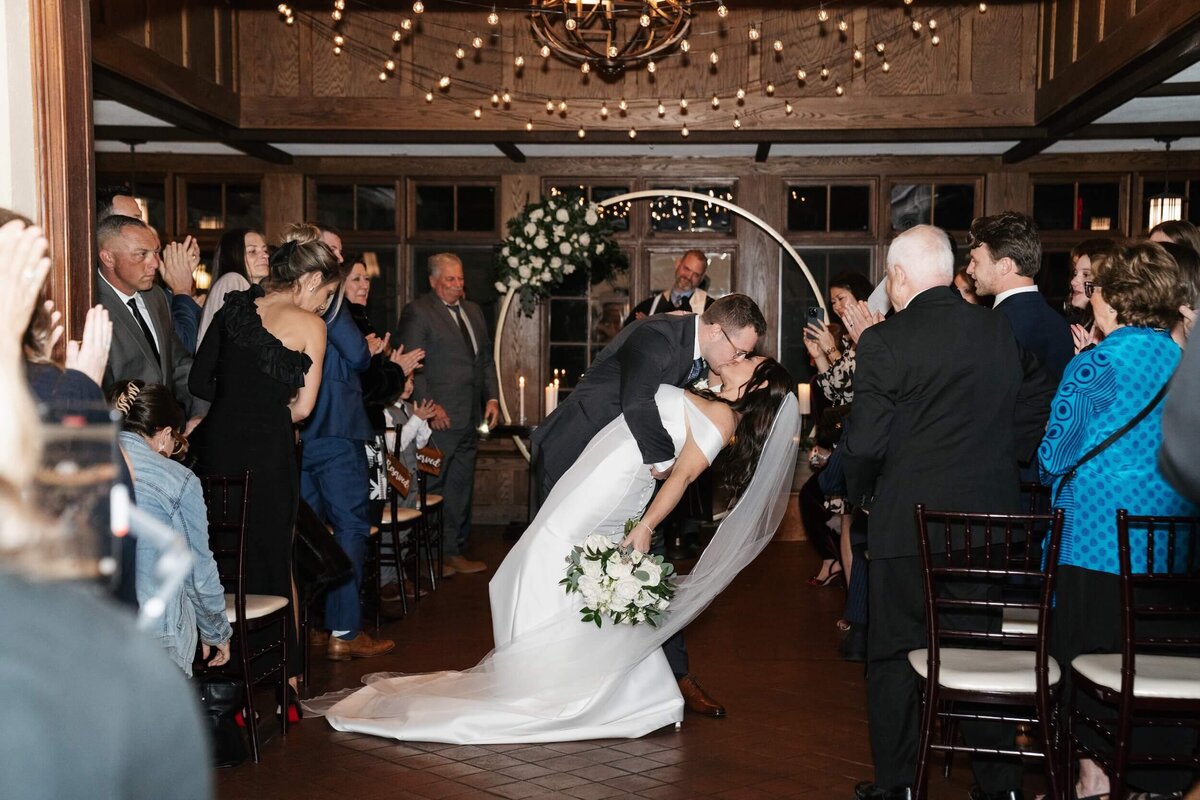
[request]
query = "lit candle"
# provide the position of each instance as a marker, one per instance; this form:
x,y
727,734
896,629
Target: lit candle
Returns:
x,y
556,392
521,388
804,392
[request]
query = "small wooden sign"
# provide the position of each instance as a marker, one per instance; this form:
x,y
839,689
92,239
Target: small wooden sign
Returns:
x,y
398,475
429,460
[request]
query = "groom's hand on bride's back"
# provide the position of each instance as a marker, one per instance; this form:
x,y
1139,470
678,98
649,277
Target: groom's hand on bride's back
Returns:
x,y
661,474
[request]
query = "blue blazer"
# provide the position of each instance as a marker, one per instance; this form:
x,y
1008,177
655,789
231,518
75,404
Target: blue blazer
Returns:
x,y
339,412
1040,330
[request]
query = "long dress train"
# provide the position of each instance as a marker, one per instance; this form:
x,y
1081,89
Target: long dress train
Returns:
x,y
551,677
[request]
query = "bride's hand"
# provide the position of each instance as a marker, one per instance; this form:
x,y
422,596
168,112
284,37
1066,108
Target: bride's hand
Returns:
x,y
638,538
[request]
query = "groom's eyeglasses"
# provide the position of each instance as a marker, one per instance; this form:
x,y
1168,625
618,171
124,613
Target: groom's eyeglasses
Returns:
x,y
736,352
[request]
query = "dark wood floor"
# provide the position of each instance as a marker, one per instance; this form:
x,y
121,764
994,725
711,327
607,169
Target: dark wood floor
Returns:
x,y
766,649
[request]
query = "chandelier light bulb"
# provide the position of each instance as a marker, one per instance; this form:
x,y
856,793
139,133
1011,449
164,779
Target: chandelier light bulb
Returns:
x,y
722,11
684,132
714,57
716,102
478,112
612,51
822,15
685,46
777,46
545,51
753,34
493,18
935,40
418,7
801,74
633,133
839,91
644,20
477,42
444,82
519,62
460,54
581,132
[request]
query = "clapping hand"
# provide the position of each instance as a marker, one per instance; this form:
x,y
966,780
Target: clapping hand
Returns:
x,y
376,345
858,317
426,409
179,261
89,355
410,361
1084,337
23,269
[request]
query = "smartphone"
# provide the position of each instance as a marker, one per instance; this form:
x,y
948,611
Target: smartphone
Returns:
x,y
816,315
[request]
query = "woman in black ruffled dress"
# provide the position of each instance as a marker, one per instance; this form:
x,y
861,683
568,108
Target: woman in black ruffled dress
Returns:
x,y
262,371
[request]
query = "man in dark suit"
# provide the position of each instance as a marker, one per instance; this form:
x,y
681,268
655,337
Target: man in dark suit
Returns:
x,y
676,349
1006,254
144,342
460,376
945,403
683,295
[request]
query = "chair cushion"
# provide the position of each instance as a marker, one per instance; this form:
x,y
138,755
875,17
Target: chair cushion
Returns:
x,y
1157,676
985,670
257,605
403,515
1020,620
432,500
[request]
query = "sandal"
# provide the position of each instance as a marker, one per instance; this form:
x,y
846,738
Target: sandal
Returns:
x,y
834,574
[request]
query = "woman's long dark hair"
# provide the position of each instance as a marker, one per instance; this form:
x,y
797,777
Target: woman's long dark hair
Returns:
x,y
230,255
757,408
148,408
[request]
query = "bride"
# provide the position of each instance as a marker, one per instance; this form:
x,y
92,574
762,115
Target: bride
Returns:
x,y
552,678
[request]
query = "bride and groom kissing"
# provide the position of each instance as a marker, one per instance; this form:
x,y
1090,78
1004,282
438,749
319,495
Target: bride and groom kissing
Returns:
x,y
642,414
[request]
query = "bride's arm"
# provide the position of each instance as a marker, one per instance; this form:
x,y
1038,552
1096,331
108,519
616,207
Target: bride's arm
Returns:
x,y
688,466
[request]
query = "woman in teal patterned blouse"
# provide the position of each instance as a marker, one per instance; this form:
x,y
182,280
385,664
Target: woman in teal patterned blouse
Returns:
x,y
1135,295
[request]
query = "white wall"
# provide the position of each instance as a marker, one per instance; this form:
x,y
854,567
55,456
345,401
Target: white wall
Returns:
x,y
18,161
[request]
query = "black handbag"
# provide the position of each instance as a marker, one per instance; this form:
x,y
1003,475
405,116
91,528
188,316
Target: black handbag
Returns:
x,y
220,699
318,559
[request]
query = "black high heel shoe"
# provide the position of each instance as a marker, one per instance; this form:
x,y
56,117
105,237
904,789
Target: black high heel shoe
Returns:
x,y
834,574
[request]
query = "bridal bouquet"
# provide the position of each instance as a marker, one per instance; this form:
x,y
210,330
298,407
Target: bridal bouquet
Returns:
x,y
623,585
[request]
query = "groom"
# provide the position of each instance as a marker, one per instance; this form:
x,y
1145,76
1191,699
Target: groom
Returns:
x,y
676,349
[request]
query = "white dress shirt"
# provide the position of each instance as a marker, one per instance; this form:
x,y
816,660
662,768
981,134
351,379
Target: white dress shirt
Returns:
x,y
141,304
1007,293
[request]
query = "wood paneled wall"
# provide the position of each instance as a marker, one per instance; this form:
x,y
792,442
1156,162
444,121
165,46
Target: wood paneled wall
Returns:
x,y
982,74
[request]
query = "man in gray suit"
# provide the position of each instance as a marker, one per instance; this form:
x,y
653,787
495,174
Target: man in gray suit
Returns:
x,y
459,375
144,343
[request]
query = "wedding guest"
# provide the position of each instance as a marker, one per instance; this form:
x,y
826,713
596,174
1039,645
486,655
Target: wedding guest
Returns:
x,y
820,514
152,439
684,294
1079,308
1179,231
1135,294
260,366
834,355
1006,255
1179,459
1188,261
241,259
460,378
332,238
945,403
144,343
964,284
69,634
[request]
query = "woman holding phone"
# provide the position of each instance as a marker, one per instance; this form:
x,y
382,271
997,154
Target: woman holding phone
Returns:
x,y
833,355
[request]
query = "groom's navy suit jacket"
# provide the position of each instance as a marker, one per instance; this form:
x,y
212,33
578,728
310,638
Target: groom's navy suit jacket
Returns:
x,y
622,379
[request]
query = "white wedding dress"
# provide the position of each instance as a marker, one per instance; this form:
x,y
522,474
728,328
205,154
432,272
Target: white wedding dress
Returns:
x,y
551,677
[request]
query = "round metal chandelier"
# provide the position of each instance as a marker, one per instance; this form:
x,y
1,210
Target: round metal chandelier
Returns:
x,y
610,36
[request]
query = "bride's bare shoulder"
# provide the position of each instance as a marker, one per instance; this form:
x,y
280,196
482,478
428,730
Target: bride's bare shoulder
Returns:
x,y
720,414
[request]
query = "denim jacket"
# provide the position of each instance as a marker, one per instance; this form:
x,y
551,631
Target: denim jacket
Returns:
x,y
171,493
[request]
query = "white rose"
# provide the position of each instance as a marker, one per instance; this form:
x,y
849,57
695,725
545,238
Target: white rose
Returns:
x,y
500,287
551,205
626,590
600,248
540,242
536,215
519,241
513,261
652,570
619,568
555,262
504,251
584,239
591,217
530,229
565,248
591,568
546,276
559,231
589,587
643,599
597,543
568,269
562,215
523,271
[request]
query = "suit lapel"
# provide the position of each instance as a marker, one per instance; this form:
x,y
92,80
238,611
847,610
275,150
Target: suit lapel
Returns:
x,y
123,318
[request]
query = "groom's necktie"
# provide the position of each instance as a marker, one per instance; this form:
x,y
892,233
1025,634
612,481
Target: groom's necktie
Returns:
x,y
698,367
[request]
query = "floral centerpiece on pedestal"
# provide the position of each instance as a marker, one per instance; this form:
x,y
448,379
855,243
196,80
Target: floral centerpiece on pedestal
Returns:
x,y
550,240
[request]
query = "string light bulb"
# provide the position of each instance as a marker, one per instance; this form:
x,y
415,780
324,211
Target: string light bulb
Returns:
x,y
662,110
529,124
545,51
685,46
389,65
886,67
418,7
843,26
714,57
585,68
460,53
339,40
824,72
722,11
737,122
478,112
741,93
858,55
753,34
495,98
562,106
683,104
383,76
549,106
935,40
519,62
777,46
581,132
429,97
932,24
493,18
604,110
880,47
506,98
983,8
337,50
477,42
822,15
397,35
623,105
916,25
839,91
444,82
770,89
716,102
336,15
684,132
633,133
802,74
787,108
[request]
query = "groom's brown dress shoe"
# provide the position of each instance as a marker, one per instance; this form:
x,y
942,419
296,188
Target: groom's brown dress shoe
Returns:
x,y
697,700
869,791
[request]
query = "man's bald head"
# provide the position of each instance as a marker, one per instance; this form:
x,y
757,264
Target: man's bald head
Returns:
x,y
918,259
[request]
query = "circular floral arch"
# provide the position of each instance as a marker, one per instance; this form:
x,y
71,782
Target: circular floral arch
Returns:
x,y
648,194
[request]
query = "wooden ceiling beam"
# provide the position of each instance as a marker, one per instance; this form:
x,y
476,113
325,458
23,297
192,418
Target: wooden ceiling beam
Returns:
x,y
1177,89
1137,130
763,152
512,151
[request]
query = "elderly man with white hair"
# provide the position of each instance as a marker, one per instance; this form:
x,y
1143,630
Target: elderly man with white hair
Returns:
x,y
945,404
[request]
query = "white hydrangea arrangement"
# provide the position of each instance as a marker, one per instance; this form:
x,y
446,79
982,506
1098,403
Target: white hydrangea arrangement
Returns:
x,y
551,240
622,585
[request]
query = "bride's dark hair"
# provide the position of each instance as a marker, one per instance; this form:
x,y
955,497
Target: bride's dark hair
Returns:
x,y
757,408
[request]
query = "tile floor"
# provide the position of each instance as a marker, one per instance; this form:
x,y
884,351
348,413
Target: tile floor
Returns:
x,y
766,649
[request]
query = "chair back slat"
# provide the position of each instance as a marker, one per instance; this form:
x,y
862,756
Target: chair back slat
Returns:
x,y
227,498
1160,583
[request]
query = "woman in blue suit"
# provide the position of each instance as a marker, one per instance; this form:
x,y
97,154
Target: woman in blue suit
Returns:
x,y
1135,295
